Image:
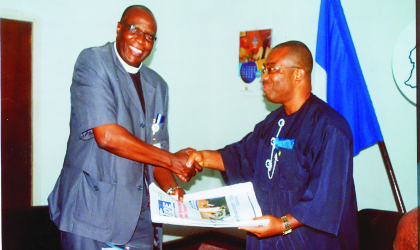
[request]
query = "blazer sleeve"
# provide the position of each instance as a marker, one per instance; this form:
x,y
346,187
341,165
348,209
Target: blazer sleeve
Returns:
x,y
92,97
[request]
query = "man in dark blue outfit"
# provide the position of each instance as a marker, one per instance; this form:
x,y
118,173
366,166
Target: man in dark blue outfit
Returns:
x,y
299,160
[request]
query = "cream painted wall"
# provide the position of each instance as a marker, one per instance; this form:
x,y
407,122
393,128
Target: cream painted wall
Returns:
x,y
197,54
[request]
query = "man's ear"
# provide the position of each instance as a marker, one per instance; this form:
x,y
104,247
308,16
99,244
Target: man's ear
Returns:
x,y
118,28
299,74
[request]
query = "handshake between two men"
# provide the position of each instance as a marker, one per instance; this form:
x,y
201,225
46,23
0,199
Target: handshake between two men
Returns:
x,y
188,161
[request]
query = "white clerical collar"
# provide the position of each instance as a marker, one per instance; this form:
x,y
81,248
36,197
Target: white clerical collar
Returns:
x,y
130,69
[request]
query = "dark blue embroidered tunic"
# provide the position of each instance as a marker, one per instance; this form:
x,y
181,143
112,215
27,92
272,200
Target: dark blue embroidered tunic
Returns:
x,y
312,181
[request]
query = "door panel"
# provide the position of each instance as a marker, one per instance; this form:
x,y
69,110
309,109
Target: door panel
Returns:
x,y
16,99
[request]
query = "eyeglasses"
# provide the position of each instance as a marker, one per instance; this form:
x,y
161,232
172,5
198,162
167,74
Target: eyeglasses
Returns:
x,y
271,70
137,31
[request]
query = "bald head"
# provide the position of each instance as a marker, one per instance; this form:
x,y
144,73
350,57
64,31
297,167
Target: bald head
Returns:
x,y
407,232
299,53
135,7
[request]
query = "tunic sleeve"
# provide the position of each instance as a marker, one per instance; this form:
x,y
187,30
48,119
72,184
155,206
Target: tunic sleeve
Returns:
x,y
238,158
330,183
91,93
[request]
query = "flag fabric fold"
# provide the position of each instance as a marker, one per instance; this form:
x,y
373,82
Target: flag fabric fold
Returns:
x,y
346,87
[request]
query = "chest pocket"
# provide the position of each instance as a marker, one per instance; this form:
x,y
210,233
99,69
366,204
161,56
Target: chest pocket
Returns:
x,y
292,169
290,177
290,172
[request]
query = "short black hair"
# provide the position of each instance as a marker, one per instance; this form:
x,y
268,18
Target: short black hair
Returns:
x,y
301,51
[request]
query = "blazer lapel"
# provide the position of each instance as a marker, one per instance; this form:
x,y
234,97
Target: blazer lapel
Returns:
x,y
149,91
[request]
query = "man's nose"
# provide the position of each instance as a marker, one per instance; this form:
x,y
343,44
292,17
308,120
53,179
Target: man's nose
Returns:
x,y
140,38
264,76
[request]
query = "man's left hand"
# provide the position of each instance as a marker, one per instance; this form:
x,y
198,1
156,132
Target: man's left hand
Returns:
x,y
275,227
180,192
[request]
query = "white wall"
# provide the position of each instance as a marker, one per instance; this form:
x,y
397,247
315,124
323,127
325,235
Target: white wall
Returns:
x,y
197,54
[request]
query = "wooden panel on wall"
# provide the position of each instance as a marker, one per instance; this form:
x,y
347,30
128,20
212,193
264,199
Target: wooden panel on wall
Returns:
x,y
16,135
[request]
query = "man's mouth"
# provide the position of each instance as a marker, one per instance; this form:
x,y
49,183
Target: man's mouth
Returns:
x,y
135,51
266,86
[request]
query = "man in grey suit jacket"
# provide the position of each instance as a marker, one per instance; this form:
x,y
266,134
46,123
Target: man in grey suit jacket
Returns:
x,y
118,133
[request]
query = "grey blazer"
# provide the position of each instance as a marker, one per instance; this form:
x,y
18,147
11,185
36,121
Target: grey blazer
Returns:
x,y
98,194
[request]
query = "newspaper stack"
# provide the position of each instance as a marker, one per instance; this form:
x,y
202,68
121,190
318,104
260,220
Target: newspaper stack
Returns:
x,y
230,206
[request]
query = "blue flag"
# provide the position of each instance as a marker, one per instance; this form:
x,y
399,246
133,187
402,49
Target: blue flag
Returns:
x,y
346,87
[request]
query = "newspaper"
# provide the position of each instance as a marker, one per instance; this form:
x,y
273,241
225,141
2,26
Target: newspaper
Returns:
x,y
229,206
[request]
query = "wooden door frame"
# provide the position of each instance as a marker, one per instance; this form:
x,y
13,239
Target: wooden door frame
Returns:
x,y
35,112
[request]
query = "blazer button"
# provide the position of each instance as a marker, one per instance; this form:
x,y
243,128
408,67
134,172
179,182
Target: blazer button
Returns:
x,y
142,125
95,188
140,187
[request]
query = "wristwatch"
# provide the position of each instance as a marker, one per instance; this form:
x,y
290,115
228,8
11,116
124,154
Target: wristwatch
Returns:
x,y
287,228
172,189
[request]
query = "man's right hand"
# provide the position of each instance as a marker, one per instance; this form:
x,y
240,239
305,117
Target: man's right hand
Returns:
x,y
206,159
195,157
179,165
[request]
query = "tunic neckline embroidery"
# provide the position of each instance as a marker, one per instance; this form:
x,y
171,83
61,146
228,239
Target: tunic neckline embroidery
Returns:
x,y
269,162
